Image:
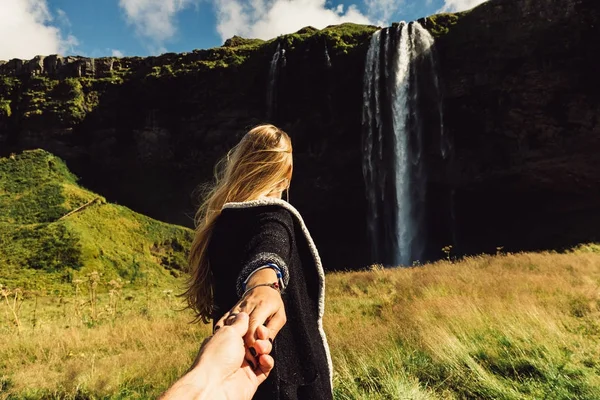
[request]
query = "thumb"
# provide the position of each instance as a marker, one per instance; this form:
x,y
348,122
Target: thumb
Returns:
x,y
240,324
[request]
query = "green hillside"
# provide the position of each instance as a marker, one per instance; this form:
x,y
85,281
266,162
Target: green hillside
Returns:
x,y
53,231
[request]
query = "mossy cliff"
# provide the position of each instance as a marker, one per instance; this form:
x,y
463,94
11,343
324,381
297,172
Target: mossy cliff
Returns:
x,y
145,132
520,103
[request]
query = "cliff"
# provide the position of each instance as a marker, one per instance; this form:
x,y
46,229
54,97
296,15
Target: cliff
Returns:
x,y
521,105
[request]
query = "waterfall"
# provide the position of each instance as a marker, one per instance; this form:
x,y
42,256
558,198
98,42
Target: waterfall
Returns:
x,y
277,61
395,96
371,121
430,53
327,58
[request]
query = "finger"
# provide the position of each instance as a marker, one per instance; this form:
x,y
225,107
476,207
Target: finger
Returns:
x,y
200,351
251,357
277,322
237,308
240,324
204,342
231,318
266,364
244,306
258,317
221,322
263,347
263,333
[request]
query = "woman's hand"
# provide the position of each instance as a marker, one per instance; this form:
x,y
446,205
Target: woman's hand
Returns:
x,y
264,305
220,372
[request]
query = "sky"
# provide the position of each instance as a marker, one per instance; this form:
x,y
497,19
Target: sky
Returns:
x,y
99,28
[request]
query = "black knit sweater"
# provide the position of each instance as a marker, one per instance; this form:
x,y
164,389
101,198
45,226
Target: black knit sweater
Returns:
x,y
249,235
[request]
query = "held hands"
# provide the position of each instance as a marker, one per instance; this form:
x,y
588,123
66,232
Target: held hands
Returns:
x,y
235,360
265,307
220,371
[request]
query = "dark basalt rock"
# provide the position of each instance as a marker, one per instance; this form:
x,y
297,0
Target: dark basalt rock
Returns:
x,y
521,104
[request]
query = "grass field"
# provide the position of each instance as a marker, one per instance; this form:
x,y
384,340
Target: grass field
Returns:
x,y
89,309
510,326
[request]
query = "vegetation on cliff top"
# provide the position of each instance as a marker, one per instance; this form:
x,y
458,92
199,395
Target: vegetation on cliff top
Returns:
x,y
39,99
440,24
340,39
45,246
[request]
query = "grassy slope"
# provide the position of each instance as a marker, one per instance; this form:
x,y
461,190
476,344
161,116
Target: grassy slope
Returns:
x,y
513,326
39,251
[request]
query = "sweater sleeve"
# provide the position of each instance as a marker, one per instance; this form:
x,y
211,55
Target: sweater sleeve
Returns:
x,y
269,243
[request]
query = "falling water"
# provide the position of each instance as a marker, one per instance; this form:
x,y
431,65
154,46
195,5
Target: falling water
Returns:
x,y
400,112
430,53
372,121
277,61
393,146
327,58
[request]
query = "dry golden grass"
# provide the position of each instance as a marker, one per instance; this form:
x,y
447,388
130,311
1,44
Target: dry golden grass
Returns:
x,y
488,326
516,326
134,353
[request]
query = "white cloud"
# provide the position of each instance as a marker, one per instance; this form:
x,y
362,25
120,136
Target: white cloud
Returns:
x,y
459,5
27,30
154,19
266,19
62,18
117,53
381,11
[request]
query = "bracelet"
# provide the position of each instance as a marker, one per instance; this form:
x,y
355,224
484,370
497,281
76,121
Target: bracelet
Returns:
x,y
274,285
272,266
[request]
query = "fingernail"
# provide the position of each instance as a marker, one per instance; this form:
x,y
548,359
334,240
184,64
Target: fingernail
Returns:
x,y
252,351
251,364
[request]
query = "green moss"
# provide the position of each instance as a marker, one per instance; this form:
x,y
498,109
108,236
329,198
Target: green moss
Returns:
x,y
238,41
76,104
342,39
440,24
8,85
5,110
67,101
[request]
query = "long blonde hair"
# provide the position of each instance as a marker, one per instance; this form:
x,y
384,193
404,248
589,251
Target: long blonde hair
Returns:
x,y
260,164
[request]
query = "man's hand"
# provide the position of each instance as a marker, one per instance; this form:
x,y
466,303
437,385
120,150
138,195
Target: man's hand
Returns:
x,y
220,371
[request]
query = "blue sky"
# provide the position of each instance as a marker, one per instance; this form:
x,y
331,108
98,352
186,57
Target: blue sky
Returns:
x,y
97,28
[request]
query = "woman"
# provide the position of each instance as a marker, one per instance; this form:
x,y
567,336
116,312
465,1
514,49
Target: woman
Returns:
x,y
252,253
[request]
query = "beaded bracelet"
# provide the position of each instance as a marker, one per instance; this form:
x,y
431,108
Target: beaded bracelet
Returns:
x,y
274,285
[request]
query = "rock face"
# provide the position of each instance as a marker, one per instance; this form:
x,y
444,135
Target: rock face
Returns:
x,y
521,105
